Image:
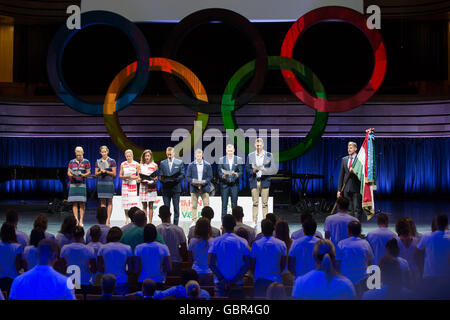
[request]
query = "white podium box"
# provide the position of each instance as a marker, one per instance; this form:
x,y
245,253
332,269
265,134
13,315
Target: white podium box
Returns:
x,y
118,214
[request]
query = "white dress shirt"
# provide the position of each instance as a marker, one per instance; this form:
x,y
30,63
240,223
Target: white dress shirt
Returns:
x,y
199,170
351,157
259,162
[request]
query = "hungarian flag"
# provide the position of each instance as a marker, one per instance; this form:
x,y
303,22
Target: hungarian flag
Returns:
x,y
365,169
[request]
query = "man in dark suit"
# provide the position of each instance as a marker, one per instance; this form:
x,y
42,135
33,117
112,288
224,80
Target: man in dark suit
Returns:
x,y
171,172
229,184
199,170
352,189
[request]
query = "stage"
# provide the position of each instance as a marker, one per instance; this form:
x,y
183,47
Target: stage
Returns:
x,y
421,211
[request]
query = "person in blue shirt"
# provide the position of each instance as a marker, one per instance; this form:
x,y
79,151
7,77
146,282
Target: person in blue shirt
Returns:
x,y
179,291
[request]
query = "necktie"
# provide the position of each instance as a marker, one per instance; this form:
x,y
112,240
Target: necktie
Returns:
x,y
351,162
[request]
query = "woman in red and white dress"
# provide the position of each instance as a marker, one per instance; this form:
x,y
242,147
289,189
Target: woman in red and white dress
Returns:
x,y
129,173
147,189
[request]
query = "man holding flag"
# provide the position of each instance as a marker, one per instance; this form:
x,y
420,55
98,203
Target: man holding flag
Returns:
x,y
357,177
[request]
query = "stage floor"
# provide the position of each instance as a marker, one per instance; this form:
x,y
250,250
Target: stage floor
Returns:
x,y
421,212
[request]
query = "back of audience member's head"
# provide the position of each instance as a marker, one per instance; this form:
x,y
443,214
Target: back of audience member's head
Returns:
x,y
325,255
95,232
102,215
390,272
41,222
114,235
276,291
354,228
412,227
267,227
12,217
238,213
131,213
78,233
392,248
242,232
309,226
441,222
8,233
203,229
148,288
403,228
228,223
68,225
47,252
305,216
150,233
164,213
140,219
272,217
207,212
192,289
382,219
188,275
36,236
108,283
342,204
282,232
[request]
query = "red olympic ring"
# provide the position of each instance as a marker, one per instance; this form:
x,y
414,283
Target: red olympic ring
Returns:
x,y
340,14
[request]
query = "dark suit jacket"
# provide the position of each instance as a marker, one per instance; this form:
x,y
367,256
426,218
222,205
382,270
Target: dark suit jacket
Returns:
x,y
236,167
164,170
353,184
191,173
268,164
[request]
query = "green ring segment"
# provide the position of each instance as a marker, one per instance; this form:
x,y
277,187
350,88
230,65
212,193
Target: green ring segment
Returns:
x,y
313,83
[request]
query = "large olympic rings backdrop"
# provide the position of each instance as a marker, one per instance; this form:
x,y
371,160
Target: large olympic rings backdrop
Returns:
x,y
133,78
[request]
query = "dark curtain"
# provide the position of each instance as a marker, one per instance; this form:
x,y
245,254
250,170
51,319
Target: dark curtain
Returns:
x,y
417,166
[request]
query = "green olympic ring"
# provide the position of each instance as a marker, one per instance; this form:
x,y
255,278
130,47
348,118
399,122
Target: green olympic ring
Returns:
x,y
313,83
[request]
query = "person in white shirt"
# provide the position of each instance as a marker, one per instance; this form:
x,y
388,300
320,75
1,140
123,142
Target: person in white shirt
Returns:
x,y
393,250
78,254
12,217
324,283
354,255
10,256
102,216
436,248
174,238
198,251
41,223
300,233
268,259
208,213
116,258
153,259
229,257
42,282
336,224
260,166
301,259
199,171
379,237
30,252
238,214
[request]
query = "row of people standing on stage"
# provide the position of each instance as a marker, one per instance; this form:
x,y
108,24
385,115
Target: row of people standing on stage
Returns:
x,y
170,172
